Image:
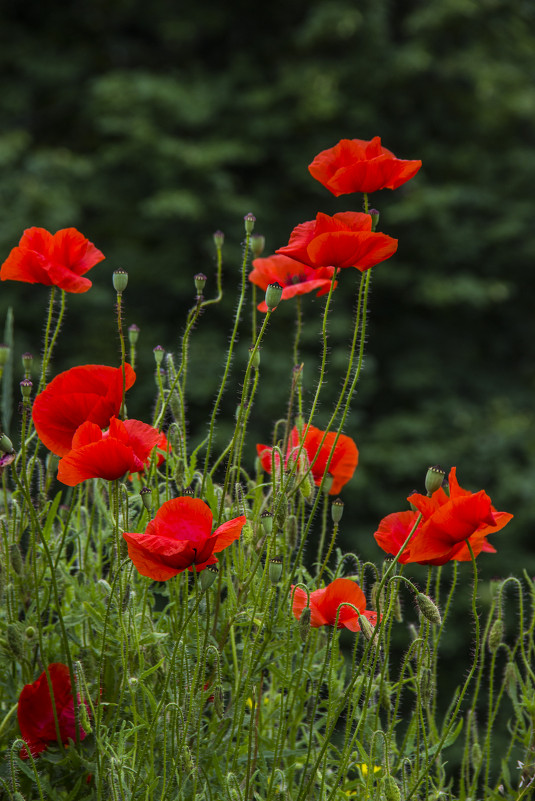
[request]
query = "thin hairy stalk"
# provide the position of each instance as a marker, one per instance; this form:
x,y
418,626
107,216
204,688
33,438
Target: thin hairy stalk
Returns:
x,y
477,649
233,337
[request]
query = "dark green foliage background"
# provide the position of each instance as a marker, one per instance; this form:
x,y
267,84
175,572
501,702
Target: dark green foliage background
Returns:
x,y
151,126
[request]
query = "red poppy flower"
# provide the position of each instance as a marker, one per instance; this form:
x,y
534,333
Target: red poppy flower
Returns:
x,y
294,277
89,393
447,524
344,240
324,605
36,715
356,165
124,448
343,463
180,537
59,259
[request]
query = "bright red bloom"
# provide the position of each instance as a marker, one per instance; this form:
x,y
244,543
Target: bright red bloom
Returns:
x,y
179,538
344,240
125,447
294,277
36,715
343,463
90,393
356,165
324,605
59,259
447,524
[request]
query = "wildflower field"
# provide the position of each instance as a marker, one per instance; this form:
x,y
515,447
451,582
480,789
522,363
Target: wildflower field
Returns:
x,y
178,617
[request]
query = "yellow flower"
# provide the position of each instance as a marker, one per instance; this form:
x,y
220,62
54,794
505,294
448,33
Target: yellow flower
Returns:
x,y
364,768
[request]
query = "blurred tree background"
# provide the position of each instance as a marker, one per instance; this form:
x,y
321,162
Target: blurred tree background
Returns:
x,y
148,127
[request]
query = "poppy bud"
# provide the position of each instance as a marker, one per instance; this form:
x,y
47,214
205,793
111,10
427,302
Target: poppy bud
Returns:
x,y
15,557
6,446
200,281
133,682
218,701
428,608
249,221
413,631
510,679
219,238
434,478
476,755
291,530
366,627
208,576
247,533
30,633
27,361
337,510
120,280
304,623
374,214
275,569
15,642
158,354
327,483
273,295
26,388
4,355
266,519
256,357
133,334
258,244
495,635
391,789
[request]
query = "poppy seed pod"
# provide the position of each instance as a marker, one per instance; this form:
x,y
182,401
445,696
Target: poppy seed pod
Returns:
x,y
27,361
26,388
255,354
208,577
374,214
434,478
120,280
273,295
200,282
219,238
133,333
275,569
158,354
266,519
249,221
258,243
337,510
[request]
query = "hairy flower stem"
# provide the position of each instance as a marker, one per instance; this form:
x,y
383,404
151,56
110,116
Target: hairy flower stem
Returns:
x,y
123,350
477,646
49,341
240,422
233,337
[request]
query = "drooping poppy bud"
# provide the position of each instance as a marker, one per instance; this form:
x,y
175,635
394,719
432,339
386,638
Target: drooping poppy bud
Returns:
x,y
428,608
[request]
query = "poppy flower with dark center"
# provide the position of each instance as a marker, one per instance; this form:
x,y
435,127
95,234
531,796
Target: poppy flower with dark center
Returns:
x,y
357,165
59,259
344,457
180,538
448,523
125,447
324,605
89,393
294,277
343,240
36,716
